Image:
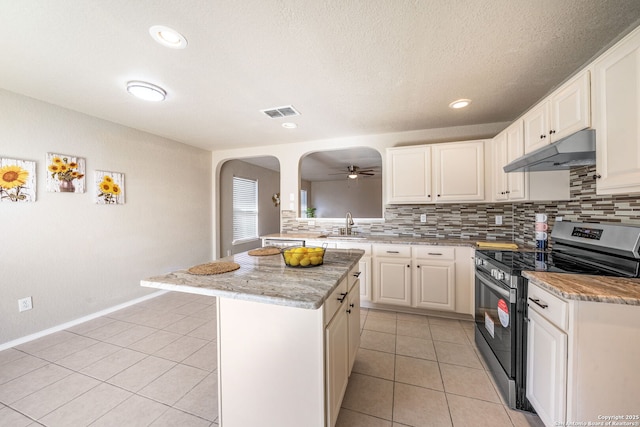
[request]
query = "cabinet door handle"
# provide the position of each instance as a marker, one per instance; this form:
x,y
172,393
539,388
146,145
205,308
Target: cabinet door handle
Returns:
x,y
434,253
538,303
507,192
352,305
357,274
349,311
342,296
393,252
597,176
543,136
551,132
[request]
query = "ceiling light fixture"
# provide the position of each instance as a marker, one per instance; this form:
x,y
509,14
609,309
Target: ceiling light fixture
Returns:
x,y
146,91
168,37
289,125
460,103
353,175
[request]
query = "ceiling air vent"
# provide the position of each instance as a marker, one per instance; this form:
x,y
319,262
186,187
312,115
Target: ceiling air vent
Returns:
x,y
286,111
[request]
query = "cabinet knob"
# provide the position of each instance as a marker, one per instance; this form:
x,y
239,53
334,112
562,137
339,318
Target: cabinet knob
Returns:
x,y
502,192
507,192
352,305
408,265
551,132
438,195
597,176
349,311
428,195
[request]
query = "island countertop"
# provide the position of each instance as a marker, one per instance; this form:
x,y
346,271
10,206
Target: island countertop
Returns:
x,y
581,287
266,279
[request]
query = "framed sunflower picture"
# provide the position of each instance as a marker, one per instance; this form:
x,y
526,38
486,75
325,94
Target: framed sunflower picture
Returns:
x,y
17,180
66,174
109,188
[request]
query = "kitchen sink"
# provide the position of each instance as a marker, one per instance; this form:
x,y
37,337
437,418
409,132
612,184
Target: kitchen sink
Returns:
x,y
346,237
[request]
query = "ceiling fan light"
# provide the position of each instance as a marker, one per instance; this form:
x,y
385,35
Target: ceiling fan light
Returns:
x,y
146,91
353,175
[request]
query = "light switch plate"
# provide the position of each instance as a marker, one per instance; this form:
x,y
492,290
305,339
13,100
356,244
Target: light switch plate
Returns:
x,y
498,219
423,218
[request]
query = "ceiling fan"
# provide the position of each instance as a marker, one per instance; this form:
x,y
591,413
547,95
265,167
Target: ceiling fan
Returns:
x,y
354,172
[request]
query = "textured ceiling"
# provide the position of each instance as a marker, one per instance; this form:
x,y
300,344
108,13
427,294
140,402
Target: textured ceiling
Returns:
x,y
350,67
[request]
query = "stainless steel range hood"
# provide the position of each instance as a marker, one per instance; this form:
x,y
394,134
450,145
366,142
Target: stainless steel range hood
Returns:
x,y
578,149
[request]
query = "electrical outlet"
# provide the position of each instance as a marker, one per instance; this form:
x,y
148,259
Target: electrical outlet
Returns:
x,y
25,304
498,219
423,218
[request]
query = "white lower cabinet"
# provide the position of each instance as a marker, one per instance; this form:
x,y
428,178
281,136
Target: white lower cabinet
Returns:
x,y
424,276
435,278
547,368
337,360
342,340
392,274
582,359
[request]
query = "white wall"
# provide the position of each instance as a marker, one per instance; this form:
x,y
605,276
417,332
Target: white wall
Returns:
x,y
75,257
290,155
333,199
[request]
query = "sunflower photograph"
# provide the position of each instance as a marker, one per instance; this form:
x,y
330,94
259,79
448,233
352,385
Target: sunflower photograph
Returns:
x,y
17,180
109,188
65,173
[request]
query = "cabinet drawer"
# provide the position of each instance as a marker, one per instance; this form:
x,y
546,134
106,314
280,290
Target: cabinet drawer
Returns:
x,y
335,300
353,276
400,251
548,306
435,252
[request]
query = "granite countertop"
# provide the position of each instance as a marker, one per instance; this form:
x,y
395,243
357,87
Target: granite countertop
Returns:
x,y
266,279
385,239
581,287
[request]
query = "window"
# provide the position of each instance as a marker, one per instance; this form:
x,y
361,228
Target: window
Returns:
x,y
303,203
245,210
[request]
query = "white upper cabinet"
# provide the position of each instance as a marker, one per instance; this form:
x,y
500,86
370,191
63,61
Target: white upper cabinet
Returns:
x,y
617,117
450,172
536,127
458,171
409,174
566,111
571,107
508,146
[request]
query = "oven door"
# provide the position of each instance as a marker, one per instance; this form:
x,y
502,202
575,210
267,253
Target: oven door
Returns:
x,y
495,319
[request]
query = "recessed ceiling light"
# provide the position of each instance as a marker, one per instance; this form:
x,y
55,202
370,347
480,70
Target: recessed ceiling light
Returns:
x,y
460,103
168,37
289,125
146,91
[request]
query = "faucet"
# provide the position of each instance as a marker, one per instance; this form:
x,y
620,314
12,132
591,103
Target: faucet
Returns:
x,y
349,223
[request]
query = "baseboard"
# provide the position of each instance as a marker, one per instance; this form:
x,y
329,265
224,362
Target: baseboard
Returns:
x,y
75,322
412,310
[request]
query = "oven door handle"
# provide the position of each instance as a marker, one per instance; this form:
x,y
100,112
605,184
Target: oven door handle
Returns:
x,y
488,283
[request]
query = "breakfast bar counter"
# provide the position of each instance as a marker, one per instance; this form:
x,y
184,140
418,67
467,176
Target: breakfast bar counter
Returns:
x,y
286,336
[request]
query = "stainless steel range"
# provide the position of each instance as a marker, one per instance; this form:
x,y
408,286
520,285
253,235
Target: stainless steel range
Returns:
x,y
501,291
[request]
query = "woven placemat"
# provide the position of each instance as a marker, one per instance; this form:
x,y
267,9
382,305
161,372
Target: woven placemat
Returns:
x,y
214,268
264,251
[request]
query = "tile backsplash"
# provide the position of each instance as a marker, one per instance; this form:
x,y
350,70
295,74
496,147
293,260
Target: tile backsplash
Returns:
x,y
477,221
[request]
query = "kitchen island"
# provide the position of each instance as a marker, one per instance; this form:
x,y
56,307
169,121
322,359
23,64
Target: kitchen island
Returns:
x,y
286,336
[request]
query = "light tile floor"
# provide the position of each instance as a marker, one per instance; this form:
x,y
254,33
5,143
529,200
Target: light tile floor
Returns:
x,y
154,364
